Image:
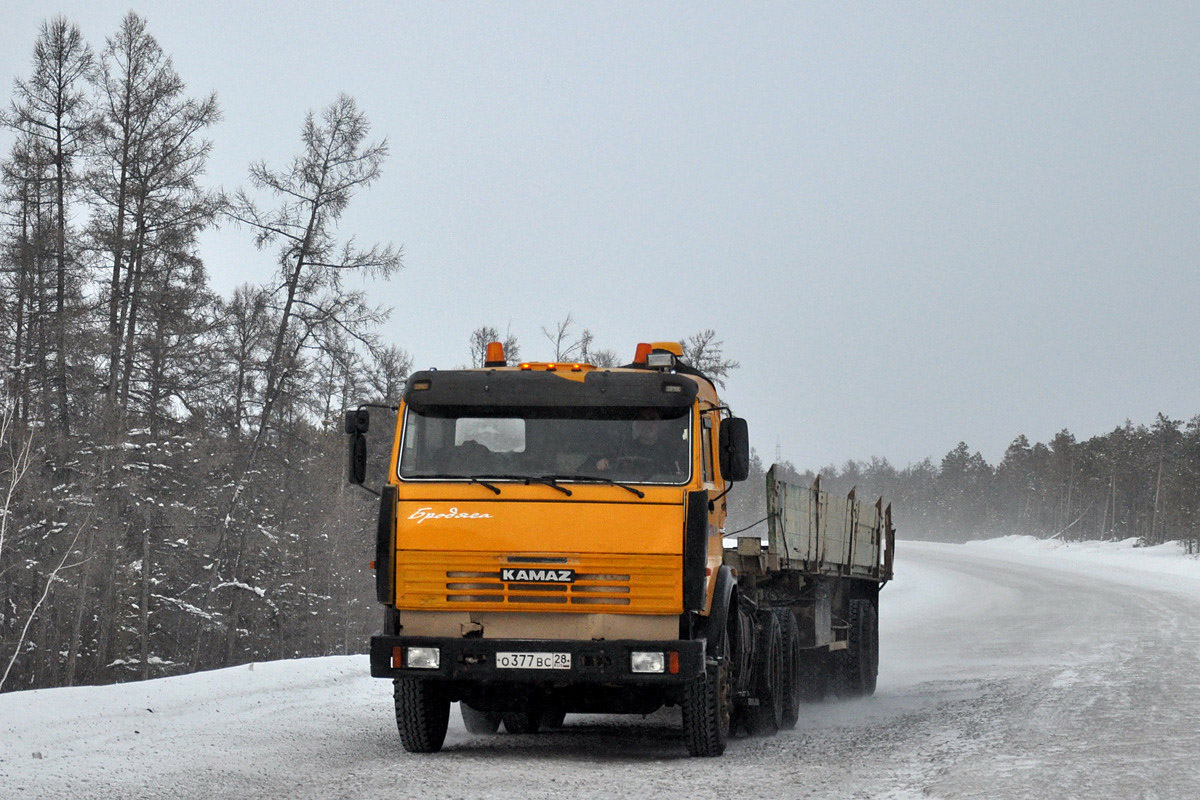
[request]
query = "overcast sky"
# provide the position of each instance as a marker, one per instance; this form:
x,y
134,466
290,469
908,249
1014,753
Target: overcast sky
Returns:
x,y
913,224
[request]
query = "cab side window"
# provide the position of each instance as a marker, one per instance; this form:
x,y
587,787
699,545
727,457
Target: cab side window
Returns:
x,y
706,459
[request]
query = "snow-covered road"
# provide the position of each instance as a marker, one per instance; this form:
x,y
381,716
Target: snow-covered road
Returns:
x,y
1009,669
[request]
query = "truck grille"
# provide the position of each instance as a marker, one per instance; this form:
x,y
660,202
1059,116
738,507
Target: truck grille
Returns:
x,y
602,583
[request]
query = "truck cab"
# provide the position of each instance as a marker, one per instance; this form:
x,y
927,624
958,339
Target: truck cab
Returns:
x,y
550,541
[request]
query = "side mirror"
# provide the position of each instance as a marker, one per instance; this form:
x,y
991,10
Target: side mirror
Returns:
x,y
357,424
734,449
358,421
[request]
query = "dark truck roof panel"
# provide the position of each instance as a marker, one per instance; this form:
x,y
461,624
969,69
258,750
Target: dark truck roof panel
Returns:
x,y
598,389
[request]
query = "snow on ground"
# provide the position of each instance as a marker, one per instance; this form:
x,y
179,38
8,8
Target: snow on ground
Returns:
x,y
1011,668
234,731
1166,566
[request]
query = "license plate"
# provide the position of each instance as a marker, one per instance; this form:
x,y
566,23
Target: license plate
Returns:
x,y
533,660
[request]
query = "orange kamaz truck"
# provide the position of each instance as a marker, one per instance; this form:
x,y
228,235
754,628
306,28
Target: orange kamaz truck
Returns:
x,y
551,540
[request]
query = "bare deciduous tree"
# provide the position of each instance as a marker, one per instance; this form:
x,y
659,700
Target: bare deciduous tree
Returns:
x,y
27,186
16,447
147,204
244,340
705,352
53,106
604,359
314,191
390,369
481,337
566,346
310,295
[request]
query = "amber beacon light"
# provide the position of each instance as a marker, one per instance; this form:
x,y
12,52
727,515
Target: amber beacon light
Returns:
x,y
495,355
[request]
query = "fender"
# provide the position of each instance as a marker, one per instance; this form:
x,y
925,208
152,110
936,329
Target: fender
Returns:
x,y
724,603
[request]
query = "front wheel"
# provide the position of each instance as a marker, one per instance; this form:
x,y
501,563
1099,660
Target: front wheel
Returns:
x,y
422,714
708,705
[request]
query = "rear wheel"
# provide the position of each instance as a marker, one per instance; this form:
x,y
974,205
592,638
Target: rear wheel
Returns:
x,y
707,706
791,667
766,718
476,721
870,637
422,714
858,664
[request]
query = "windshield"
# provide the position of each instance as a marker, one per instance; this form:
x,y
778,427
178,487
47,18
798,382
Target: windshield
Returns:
x,y
630,445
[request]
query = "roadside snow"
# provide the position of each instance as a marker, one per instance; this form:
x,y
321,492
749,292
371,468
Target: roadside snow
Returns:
x,y
1165,566
218,729
1010,668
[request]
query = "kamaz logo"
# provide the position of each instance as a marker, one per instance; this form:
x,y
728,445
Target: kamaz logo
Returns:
x,y
524,575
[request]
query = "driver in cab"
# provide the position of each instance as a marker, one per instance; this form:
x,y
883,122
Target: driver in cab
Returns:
x,y
654,451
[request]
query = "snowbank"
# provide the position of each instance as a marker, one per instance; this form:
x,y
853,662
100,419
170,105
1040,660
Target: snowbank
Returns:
x,y
1167,565
148,738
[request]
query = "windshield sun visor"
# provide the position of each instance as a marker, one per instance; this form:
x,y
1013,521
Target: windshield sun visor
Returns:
x,y
432,389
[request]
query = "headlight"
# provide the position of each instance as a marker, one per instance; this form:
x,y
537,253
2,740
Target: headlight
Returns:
x,y
422,658
647,662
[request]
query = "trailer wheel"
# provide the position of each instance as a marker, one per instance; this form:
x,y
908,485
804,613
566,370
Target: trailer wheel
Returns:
x,y
766,718
707,707
791,667
422,714
870,647
522,721
476,721
859,663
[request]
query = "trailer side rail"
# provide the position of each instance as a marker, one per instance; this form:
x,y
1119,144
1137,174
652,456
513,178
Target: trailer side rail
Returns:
x,y
816,532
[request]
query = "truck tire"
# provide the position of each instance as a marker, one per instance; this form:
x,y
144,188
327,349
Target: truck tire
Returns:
x,y
859,663
522,721
422,714
707,707
766,718
870,638
791,667
476,721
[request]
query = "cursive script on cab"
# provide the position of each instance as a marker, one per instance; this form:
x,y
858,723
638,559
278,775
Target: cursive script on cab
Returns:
x,y
423,514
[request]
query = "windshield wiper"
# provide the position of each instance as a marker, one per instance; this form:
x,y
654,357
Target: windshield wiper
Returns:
x,y
468,478
598,479
528,479
473,479
546,479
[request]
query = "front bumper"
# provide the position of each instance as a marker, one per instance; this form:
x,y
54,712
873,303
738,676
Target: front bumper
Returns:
x,y
597,662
